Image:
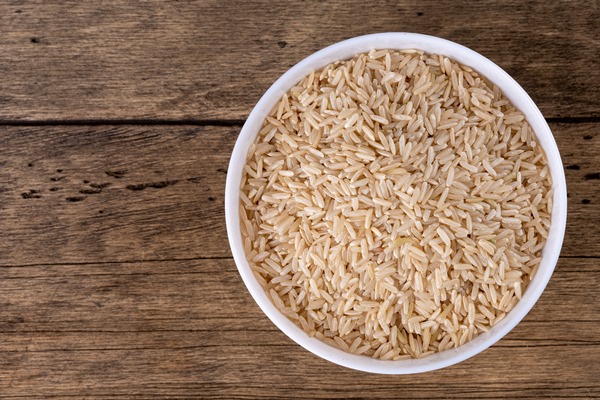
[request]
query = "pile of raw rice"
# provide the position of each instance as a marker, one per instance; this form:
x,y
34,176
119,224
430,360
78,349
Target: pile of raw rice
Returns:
x,y
395,204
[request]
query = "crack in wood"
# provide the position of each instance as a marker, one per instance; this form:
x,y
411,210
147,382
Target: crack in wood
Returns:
x,y
118,174
154,185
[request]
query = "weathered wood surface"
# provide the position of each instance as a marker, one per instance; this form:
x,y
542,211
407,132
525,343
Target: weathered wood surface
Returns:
x,y
116,280
75,194
117,120
213,60
189,328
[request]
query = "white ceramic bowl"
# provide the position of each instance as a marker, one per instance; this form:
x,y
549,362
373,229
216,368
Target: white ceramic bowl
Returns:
x,y
345,50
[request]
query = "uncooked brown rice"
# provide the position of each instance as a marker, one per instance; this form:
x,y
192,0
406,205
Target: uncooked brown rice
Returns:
x,y
395,204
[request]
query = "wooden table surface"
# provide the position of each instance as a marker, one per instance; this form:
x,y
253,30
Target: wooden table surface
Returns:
x,y
117,119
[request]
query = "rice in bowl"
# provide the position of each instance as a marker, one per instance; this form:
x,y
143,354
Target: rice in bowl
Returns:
x,y
395,204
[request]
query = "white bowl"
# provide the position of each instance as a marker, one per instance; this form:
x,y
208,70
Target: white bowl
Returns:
x,y
345,50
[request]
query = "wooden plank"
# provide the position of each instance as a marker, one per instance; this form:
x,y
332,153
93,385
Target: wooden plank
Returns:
x,y
147,329
213,60
287,372
76,194
113,193
188,295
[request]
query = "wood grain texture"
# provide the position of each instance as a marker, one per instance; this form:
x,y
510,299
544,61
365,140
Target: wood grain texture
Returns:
x,y
126,296
190,329
116,281
212,60
81,194
116,193
117,120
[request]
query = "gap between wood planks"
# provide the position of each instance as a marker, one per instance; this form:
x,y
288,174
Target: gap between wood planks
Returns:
x,y
203,122
262,345
76,263
134,122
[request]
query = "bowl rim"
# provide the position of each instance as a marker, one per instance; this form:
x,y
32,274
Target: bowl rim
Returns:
x,y
514,92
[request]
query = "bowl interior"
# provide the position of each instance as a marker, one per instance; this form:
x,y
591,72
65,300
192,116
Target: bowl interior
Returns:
x,y
398,41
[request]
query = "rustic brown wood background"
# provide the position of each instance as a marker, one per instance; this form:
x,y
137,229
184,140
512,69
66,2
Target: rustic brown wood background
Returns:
x,y
117,119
